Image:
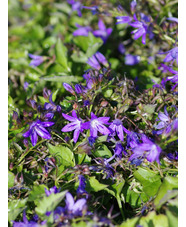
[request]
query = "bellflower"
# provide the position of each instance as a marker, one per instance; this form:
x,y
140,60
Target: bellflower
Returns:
x,y
37,60
82,185
75,208
96,124
171,56
51,190
132,139
82,31
123,19
165,124
117,126
69,88
38,128
131,59
146,149
51,106
76,124
76,6
97,59
103,32
142,29
119,150
27,223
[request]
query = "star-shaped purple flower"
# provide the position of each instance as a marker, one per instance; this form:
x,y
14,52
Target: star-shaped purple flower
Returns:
x,y
76,124
37,128
117,126
146,149
103,32
96,124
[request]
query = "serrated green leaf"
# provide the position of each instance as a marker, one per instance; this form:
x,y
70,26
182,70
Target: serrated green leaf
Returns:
x,y
65,155
15,207
148,178
37,193
49,203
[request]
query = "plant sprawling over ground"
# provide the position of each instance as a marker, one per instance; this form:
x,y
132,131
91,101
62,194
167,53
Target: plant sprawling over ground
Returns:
x,y
93,113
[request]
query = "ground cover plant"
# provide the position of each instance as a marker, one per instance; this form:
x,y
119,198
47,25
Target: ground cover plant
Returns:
x,y
93,113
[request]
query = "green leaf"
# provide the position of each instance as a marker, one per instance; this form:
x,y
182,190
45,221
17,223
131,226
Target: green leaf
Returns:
x,y
133,198
61,53
154,220
94,185
11,178
15,207
172,219
169,183
79,57
49,203
64,154
130,222
37,193
103,151
61,79
92,49
148,178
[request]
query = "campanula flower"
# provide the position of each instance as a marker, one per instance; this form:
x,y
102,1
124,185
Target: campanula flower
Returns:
x,y
76,124
82,31
165,125
37,128
103,32
123,19
76,6
82,185
119,150
54,190
118,127
51,106
171,56
131,59
75,208
96,124
69,88
147,149
97,59
37,60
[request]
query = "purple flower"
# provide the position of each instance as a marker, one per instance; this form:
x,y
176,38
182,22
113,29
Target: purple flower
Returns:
x,y
37,60
38,128
96,125
171,56
133,5
51,190
25,86
174,19
117,126
142,29
69,88
123,19
146,149
82,31
26,223
51,106
166,125
121,48
75,208
132,139
119,150
103,32
97,59
131,59
76,124
76,6
82,185
86,103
